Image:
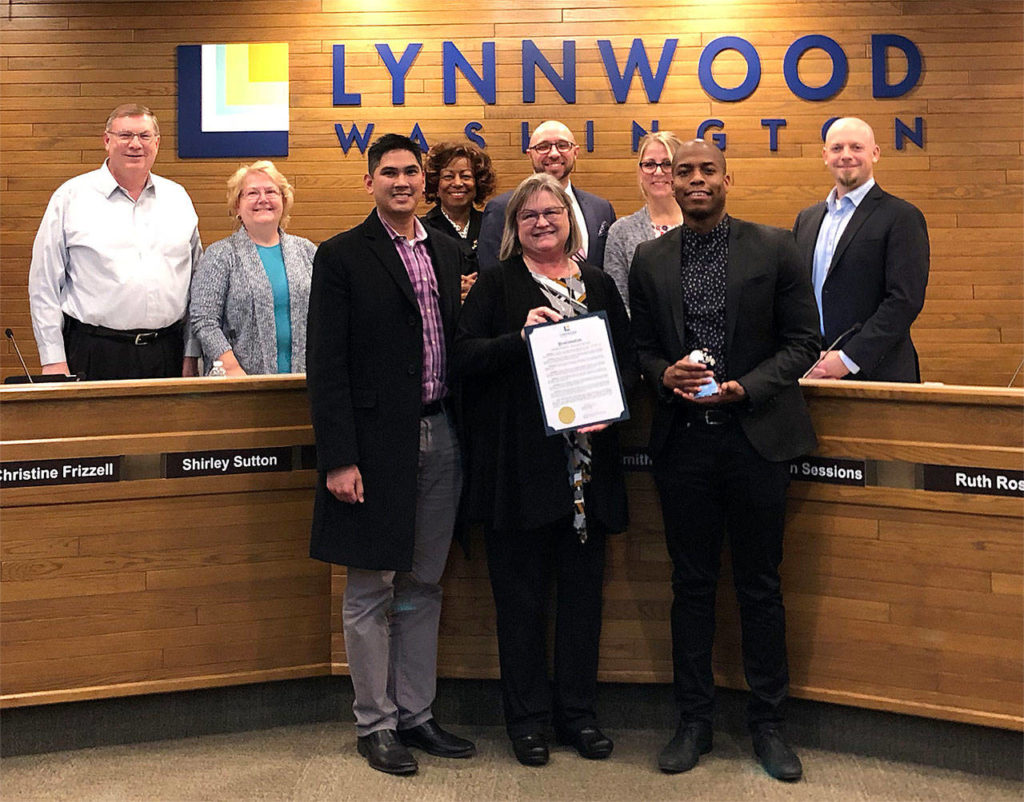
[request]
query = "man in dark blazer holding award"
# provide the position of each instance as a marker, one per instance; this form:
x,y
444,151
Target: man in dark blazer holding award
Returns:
x,y
382,310
725,325
867,254
553,150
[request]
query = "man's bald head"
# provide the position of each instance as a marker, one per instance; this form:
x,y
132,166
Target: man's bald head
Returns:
x,y
846,126
695,146
549,129
700,183
850,153
558,150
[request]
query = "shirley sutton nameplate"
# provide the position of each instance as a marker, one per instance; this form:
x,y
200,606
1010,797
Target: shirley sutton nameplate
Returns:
x,y
222,463
577,375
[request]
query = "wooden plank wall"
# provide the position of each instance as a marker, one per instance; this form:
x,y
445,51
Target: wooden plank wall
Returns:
x,y
63,66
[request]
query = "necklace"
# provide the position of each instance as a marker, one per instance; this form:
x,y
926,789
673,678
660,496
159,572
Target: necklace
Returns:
x,y
462,231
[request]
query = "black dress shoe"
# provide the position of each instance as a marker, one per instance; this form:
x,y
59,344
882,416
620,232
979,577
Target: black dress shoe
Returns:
x,y
590,742
531,750
384,752
692,739
778,759
429,737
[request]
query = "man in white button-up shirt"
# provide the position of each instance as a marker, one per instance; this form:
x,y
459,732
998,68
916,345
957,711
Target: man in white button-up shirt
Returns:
x,y
112,263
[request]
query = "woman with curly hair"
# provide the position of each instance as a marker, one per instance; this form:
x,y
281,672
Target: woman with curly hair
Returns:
x,y
459,176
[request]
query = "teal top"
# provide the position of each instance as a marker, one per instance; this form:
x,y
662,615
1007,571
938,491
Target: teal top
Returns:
x,y
273,263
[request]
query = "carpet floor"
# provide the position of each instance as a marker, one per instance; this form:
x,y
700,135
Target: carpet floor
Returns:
x,y
319,762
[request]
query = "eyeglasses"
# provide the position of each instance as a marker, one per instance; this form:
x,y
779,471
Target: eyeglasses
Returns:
x,y
531,217
650,166
125,137
254,194
562,145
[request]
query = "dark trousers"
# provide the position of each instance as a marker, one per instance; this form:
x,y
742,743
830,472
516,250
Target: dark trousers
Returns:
x,y
521,566
99,357
712,482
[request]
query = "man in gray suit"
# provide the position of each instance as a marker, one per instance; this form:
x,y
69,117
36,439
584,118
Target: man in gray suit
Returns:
x,y
553,150
737,292
382,309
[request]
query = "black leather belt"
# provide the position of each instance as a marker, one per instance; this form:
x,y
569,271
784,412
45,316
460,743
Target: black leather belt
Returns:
x,y
433,408
712,416
134,336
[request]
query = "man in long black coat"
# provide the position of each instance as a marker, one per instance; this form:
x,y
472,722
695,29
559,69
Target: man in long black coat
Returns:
x,y
382,310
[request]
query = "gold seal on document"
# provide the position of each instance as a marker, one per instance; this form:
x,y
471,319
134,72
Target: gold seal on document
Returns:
x,y
567,414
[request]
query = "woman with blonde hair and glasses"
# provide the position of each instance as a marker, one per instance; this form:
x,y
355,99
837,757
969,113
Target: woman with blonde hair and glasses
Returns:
x,y
660,212
547,503
250,292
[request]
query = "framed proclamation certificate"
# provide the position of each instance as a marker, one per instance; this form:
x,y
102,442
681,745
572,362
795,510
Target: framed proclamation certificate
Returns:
x,y
577,375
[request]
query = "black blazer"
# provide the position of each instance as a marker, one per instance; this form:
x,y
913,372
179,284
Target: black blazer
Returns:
x,y
771,333
877,278
516,475
436,220
364,363
597,212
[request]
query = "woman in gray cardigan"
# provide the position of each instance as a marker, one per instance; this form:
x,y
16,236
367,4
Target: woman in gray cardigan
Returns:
x,y
250,292
659,214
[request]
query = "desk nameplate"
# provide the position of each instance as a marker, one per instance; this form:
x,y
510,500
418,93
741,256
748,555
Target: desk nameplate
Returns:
x,y
966,479
65,471
225,462
829,471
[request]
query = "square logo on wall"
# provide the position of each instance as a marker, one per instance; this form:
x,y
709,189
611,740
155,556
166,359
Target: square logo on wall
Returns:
x,y
233,100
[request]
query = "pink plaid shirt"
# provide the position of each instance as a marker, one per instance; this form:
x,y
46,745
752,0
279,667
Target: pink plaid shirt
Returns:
x,y
416,257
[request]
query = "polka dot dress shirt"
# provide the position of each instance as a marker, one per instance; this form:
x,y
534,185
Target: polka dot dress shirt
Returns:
x,y
702,274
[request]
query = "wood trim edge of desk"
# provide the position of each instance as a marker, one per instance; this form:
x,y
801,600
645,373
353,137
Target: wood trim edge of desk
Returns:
x,y
117,690
887,704
914,393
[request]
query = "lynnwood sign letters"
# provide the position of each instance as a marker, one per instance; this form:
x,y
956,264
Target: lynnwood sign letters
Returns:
x,y
896,69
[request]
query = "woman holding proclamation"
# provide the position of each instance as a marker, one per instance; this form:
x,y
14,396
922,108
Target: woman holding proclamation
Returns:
x,y
547,503
459,176
250,292
660,212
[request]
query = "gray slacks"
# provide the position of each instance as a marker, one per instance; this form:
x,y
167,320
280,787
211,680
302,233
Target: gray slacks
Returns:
x,y
390,618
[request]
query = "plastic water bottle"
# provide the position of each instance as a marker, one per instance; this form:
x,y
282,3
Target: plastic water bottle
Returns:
x,y
217,371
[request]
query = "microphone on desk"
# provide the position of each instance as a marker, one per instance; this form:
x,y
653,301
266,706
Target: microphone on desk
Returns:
x,y
852,330
10,336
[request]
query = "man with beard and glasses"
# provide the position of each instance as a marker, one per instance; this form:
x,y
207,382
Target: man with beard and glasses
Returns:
x,y
735,295
553,150
867,254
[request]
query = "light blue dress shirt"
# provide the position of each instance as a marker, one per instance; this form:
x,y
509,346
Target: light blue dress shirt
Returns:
x,y
837,217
